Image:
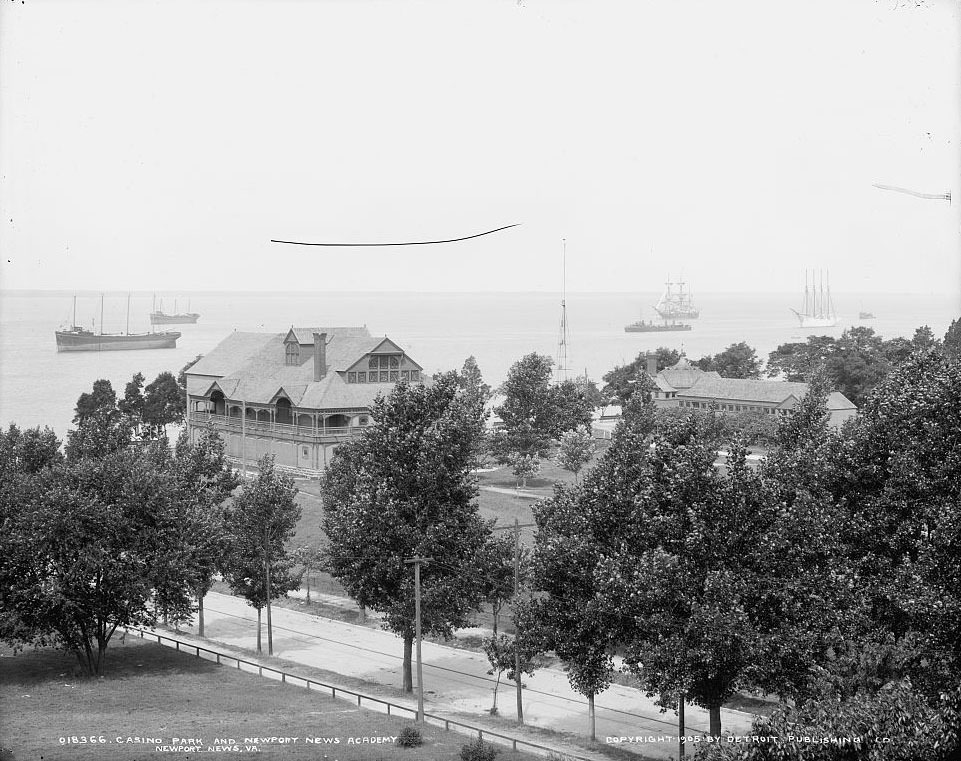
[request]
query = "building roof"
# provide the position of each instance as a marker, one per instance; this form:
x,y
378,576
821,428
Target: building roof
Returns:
x,y
683,374
255,371
713,386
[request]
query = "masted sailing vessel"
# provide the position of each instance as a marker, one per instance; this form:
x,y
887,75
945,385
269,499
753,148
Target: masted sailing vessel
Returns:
x,y
158,317
76,338
818,309
676,304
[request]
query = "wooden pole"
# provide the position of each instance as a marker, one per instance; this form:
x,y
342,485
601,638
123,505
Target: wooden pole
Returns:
x,y
517,651
416,561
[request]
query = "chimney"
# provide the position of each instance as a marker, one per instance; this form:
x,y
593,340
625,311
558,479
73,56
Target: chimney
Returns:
x,y
652,365
320,355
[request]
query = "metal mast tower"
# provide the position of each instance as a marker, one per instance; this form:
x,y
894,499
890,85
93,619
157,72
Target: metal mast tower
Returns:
x,y
562,339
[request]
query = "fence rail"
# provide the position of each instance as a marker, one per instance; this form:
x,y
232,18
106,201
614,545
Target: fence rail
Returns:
x,y
363,700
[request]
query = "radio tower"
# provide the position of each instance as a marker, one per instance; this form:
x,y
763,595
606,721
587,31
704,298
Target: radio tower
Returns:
x,y
562,338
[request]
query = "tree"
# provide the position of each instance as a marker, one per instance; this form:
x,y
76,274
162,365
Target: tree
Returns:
x,y
260,523
524,467
502,653
528,412
590,391
952,339
131,406
89,549
575,450
494,566
309,557
470,379
621,382
404,489
737,361
100,426
568,619
798,361
182,379
571,408
204,482
163,404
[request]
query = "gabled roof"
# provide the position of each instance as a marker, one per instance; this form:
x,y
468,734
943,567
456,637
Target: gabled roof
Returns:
x,y
683,374
713,386
305,336
256,371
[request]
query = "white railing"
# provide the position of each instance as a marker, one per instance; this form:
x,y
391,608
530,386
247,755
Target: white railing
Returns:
x,y
282,429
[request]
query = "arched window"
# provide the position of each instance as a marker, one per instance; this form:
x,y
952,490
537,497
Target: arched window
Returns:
x,y
293,354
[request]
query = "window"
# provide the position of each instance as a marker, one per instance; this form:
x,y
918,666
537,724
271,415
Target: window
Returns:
x,y
405,374
305,451
372,363
351,377
394,362
293,354
383,376
696,404
361,377
364,420
415,375
393,375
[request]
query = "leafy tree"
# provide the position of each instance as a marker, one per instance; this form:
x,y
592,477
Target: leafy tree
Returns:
x,y
260,523
590,391
925,339
952,339
309,557
575,450
524,467
569,620
88,551
28,452
182,379
528,411
494,565
163,403
470,379
100,427
204,482
798,361
621,382
502,653
737,361
571,408
404,489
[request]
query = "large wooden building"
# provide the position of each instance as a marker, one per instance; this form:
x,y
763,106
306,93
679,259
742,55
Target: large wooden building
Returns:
x,y
295,395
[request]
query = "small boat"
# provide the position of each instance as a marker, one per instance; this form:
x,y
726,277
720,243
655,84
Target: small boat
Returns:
x,y
865,316
818,309
76,338
158,317
675,304
654,327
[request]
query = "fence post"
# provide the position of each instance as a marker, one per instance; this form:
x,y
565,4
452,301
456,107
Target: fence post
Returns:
x,y
283,676
218,659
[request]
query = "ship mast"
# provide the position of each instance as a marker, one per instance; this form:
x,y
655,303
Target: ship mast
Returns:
x,y
74,324
128,314
563,337
101,314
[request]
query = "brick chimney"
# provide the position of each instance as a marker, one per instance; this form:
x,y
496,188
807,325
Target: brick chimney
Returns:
x,y
320,355
652,365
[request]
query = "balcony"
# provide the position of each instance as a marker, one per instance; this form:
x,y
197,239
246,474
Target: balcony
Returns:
x,y
275,430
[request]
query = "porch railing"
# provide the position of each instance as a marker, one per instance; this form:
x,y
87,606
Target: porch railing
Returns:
x,y
277,429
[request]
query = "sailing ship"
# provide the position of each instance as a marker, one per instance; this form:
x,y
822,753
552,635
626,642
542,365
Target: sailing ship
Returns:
x,y
77,338
818,309
157,316
676,304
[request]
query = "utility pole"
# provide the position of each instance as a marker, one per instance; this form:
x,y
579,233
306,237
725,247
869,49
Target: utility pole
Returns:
x,y
517,649
416,561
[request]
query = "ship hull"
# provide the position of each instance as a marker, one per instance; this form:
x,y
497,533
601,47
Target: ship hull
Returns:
x,y
678,314
159,318
90,342
810,321
655,328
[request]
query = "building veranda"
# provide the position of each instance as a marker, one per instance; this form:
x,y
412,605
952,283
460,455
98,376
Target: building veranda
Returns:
x,y
295,395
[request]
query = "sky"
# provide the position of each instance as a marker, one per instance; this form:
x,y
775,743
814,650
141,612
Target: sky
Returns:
x,y
160,146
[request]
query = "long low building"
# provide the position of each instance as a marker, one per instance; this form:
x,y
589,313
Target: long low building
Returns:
x,y
295,395
687,386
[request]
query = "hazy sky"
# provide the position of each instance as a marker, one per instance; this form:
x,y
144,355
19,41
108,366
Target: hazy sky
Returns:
x,y
161,145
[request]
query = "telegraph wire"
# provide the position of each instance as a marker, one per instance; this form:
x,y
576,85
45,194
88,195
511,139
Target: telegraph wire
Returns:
x,y
408,243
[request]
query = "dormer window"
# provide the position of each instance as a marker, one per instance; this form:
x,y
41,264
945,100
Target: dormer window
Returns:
x,y
293,354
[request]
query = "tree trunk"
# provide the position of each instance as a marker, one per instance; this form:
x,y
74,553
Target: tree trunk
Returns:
x,y
714,712
270,630
408,649
590,714
259,648
308,585
200,612
497,684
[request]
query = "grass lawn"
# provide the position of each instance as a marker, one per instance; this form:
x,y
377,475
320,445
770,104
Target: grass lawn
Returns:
x,y
150,691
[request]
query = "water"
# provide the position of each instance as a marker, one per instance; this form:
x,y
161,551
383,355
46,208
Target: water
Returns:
x,y
38,386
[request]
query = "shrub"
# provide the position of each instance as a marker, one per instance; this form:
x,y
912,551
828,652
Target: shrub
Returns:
x,y
478,750
409,737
